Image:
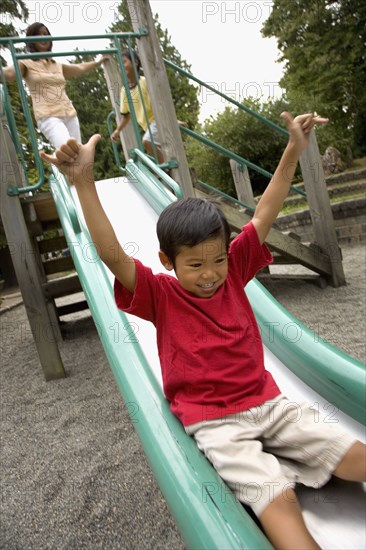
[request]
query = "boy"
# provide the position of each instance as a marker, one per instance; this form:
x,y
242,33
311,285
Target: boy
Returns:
x,y
210,348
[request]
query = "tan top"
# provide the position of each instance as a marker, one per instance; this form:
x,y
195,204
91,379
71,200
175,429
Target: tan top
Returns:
x,y
46,84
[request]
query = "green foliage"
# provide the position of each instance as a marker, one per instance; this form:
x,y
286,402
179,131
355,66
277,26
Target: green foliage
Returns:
x,y
89,94
184,93
323,44
10,10
244,135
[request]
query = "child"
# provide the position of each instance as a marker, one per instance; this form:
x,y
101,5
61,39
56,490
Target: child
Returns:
x,y
210,348
46,79
138,107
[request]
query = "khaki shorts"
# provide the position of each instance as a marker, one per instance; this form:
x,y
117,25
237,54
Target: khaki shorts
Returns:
x,y
262,452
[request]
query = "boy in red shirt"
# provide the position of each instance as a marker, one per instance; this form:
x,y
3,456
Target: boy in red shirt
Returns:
x,y
210,348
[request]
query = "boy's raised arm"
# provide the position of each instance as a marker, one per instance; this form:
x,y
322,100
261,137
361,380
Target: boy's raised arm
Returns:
x,y
76,161
277,190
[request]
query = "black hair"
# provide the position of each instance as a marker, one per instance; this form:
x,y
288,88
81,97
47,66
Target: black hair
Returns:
x,y
188,222
131,54
33,30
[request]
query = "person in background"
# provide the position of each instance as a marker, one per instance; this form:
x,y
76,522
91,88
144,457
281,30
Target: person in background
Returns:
x,y
148,125
54,112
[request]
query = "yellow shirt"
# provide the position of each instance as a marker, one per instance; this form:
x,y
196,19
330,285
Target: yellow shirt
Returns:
x,y
46,84
136,99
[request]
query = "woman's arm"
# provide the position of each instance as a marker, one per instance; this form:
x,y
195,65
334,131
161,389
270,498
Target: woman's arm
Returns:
x,y
9,72
74,70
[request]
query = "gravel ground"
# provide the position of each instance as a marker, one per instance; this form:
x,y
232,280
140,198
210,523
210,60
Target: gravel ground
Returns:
x,y
73,471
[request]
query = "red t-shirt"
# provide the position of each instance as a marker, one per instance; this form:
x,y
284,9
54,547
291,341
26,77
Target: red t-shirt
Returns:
x,y
210,349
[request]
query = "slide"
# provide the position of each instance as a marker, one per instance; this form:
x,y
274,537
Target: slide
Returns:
x,y
205,510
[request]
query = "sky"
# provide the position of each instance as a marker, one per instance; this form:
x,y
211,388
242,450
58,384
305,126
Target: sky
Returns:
x,y
220,40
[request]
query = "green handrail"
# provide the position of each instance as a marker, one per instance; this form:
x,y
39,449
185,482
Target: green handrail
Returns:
x,y
11,123
242,107
224,151
10,41
226,196
159,172
227,98
111,115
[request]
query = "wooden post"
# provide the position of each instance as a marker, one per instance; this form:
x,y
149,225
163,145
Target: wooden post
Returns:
x,y
243,187
114,84
25,265
320,209
159,89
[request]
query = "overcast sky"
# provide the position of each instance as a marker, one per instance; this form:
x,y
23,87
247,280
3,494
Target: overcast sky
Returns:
x,y
220,40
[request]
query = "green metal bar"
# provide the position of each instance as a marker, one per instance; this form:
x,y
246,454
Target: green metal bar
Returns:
x,y
137,76
135,125
336,376
232,155
50,38
227,98
32,134
159,172
225,151
226,196
114,145
12,127
63,54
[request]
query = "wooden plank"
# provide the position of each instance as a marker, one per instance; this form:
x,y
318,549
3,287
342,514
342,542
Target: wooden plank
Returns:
x,y
52,245
114,84
278,242
72,308
320,209
159,89
242,183
44,206
25,265
58,265
63,286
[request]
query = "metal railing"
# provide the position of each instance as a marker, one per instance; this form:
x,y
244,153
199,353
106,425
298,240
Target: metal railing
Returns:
x,y
10,42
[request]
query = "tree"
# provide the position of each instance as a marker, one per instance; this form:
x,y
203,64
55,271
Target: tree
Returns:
x,y
183,92
323,44
10,10
244,135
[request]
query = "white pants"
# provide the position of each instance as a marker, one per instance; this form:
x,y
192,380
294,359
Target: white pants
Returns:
x,y
58,130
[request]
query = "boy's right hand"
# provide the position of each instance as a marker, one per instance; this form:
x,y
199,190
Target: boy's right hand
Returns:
x,y
115,136
75,160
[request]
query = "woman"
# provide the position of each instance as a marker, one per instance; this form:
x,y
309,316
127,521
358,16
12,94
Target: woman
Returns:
x,y
46,79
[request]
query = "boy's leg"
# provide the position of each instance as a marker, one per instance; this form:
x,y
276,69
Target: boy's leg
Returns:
x,y
353,465
149,149
284,524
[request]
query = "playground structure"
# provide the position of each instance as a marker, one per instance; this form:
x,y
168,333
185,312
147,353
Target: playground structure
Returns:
x,y
205,519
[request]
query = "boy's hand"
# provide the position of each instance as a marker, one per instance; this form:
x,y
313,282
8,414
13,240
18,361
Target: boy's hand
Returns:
x,y
115,136
75,160
300,126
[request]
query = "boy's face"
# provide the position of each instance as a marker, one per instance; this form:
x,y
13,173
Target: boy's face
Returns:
x,y
201,269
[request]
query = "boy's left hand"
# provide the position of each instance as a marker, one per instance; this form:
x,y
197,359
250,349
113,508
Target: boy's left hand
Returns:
x,y
300,126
